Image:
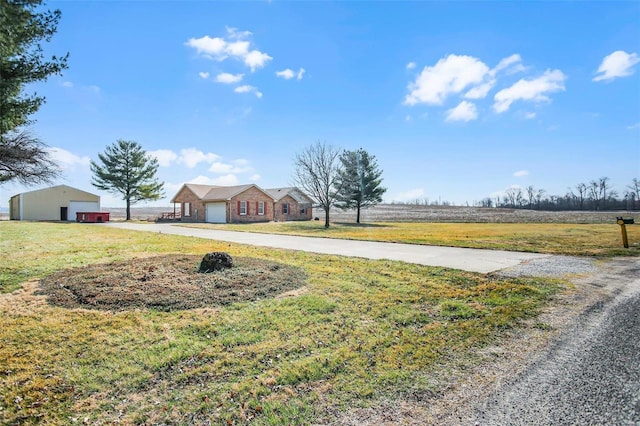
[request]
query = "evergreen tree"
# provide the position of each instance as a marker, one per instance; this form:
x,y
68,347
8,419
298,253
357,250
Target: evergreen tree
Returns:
x,y
358,183
22,28
126,170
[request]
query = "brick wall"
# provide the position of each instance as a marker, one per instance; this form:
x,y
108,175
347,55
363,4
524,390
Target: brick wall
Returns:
x,y
252,196
295,210
198,210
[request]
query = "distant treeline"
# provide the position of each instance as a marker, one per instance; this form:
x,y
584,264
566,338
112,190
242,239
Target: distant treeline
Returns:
x,y
595,195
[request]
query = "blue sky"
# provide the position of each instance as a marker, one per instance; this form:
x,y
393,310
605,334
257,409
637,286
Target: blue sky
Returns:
x,y
458,101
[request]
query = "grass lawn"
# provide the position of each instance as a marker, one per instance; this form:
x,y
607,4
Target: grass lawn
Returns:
x,y
552,238
359,332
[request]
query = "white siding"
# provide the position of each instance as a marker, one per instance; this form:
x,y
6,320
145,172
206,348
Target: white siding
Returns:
x,y
81,206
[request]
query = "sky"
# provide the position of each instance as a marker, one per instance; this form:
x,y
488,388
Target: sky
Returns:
x,y
458,101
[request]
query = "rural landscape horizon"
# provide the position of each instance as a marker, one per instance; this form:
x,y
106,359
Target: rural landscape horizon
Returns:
x,y
328,213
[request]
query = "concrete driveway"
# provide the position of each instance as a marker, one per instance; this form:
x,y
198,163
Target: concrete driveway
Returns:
x,y
474,260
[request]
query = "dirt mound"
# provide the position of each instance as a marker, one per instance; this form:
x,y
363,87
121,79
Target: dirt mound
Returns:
x,y
168,283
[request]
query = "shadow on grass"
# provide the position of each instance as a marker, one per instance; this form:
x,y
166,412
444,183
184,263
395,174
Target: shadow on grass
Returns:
x,y
362,225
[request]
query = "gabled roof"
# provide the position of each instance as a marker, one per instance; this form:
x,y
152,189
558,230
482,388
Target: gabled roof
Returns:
x,y
199,190
218,193
225,193
58,187
279,193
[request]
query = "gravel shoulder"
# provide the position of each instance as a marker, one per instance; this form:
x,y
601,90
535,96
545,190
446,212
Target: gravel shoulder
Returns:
x,y
490,392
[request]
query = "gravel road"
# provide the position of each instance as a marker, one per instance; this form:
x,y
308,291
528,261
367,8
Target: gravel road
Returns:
x,y
589,376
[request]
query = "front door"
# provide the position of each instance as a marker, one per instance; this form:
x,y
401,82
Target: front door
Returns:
x,y
63,213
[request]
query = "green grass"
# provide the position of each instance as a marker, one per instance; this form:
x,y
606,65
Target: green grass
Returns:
x,y
363,331
551,238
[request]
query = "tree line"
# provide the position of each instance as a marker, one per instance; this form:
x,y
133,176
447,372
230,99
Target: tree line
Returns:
x,y
597,194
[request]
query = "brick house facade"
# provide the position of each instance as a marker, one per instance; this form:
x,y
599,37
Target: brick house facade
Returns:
x,y
240,204
290,204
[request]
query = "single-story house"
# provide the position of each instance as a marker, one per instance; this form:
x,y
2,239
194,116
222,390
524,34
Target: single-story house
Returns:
x,y
60,202
290,204
240,203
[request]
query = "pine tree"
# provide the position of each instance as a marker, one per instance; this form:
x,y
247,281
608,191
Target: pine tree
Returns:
x,y
358,183
126,170
22,27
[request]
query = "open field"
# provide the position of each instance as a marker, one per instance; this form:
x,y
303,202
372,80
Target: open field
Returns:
x,y
420,213
359,332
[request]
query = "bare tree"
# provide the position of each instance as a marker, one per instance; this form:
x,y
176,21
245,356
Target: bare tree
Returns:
x,y
25,158
604,186
316,172
539,194
582,194
634,189
531,195
514,197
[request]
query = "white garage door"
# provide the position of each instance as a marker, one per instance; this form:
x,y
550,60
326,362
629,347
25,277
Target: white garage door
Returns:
x,y
216,213
81,206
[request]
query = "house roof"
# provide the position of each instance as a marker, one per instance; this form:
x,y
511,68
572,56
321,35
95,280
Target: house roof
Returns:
x,y
58,187
217,193
279,193
225,193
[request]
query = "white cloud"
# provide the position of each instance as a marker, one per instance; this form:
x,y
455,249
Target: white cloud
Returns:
x,y
238,166
530,90
411,65
67,160
448,76
409,195
255,178
229,179
165,156
481,91
408,117
191,157
172,188
248,89
511,64
210,47
634,126
238,35
287,74
530,115
235,46
227,78
204,75
238,48
465,111
226,180
617,64
506,64
521,173
67,84
256,59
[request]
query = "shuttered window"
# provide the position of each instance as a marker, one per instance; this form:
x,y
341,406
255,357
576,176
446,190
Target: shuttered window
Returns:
x,y
242,209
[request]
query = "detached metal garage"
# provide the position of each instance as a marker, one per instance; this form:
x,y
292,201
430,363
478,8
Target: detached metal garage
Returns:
x,y
60,202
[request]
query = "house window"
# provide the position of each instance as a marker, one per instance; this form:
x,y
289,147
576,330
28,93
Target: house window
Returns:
x,y
303,209
285,208
261,208
187,209
243,208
